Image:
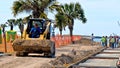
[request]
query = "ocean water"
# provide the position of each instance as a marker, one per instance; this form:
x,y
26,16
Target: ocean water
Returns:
x,y
97,39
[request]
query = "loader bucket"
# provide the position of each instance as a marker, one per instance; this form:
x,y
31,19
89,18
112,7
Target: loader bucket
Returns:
x,y
34,46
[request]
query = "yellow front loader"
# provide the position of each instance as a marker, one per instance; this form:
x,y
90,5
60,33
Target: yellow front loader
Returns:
x,y
40,45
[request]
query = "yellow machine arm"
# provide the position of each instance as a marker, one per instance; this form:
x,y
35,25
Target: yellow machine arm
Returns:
x,y
44,35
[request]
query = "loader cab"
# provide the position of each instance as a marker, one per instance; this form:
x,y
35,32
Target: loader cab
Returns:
x,y
41,24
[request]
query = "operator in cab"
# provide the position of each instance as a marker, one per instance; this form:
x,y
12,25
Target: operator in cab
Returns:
x,y
35,31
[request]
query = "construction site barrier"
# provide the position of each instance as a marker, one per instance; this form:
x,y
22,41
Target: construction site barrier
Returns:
x,y
64,40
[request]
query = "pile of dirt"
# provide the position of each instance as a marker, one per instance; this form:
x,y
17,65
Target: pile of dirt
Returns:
x,y
70,58
86,41
32,42
74,56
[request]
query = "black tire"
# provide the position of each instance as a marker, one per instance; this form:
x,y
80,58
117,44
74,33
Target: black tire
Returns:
x,y
52,49
25,54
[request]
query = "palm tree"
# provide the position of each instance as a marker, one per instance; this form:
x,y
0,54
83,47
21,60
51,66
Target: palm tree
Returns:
x,y
36,7
11,23
4,36
71,11
59,17
20,25
3,27
60,22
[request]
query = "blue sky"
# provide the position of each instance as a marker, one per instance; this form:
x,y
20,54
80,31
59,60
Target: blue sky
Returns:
x,y
102,16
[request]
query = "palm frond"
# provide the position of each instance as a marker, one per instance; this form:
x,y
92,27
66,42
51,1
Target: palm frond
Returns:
x,y
61,21
36,7
66,9
11,22
43,15
16,6
3,25
25,19
71,8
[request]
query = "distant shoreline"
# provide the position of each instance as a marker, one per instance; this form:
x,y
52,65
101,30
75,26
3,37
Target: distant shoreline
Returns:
x,y
89,37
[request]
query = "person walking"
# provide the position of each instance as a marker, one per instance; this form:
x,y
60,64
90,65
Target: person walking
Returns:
x,y
116,41
103,41
112,41
92,38
106,41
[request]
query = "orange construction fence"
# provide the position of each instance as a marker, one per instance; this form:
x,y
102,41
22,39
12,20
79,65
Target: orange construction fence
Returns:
x,y
64,40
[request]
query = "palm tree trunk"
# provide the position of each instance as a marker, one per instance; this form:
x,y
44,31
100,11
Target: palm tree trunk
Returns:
x,y
60,29
5,39
71,33
21,27
71,29
61,33
11,27
36,14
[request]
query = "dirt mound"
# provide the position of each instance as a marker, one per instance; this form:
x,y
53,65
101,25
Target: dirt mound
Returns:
x,y
86,41
63,59
72,57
